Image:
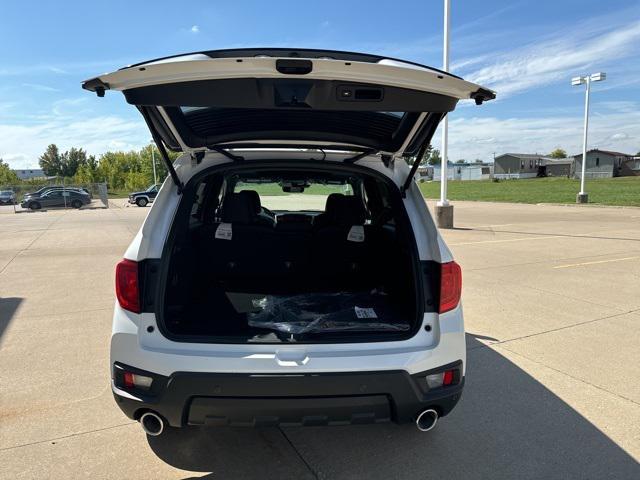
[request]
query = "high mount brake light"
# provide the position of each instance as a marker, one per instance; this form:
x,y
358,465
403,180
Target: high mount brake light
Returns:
x,y
450,286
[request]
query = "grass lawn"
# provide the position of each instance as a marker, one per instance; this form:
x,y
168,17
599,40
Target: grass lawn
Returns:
x,y
605,191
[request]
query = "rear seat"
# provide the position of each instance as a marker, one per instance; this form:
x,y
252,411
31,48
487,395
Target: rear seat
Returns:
x,y
343,246
238,250
293,255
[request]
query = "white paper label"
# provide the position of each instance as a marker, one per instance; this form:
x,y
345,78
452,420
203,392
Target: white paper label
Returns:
x,y
365,312
356,234
224,232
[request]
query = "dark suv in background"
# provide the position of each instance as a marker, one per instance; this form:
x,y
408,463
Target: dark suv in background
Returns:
x,y
142,199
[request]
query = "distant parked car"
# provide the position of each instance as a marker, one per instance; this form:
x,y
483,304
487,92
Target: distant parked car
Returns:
x,y
145,197
42,190
57,198
7,197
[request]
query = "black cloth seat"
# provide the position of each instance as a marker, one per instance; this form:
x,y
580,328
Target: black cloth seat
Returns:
x,y
341,258
254,200
246,258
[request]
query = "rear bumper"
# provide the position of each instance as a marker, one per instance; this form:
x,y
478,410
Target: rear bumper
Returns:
x,y
187,398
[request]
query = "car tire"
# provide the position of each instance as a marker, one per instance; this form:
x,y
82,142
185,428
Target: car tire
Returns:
x,y
142,202
76,204
35,206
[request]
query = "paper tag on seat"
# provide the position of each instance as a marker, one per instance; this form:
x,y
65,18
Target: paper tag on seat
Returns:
x,y
365,312
224,231
356,234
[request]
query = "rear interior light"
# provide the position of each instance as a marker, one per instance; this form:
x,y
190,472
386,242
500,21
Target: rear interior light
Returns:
x,y
450,286
127,288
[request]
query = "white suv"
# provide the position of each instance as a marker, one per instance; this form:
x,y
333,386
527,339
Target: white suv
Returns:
x,y
289,271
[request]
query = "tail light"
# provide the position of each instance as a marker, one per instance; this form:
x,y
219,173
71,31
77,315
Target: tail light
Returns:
x,y
127,287
132,380
443,379
450,286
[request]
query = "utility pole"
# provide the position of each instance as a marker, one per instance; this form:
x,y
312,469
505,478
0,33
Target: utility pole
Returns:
x,y
444,211
582,196
153,161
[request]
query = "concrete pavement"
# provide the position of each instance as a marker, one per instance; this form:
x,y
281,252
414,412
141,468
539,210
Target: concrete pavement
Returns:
x,y
552,310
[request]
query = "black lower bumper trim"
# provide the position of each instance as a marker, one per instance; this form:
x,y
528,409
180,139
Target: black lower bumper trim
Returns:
x,y
296,399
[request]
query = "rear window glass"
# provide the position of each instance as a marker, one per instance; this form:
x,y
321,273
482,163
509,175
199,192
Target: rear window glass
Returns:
x,y
313,197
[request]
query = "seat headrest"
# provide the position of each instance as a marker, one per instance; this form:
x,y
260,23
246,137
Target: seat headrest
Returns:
x,y
344,210
351,211
238,208
333,203
254,198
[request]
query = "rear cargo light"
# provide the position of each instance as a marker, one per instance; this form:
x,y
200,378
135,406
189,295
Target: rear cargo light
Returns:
x,y
127,288
450,286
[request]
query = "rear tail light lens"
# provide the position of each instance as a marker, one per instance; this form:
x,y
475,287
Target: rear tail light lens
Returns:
x,y
132,380
127,287
443,379
450,286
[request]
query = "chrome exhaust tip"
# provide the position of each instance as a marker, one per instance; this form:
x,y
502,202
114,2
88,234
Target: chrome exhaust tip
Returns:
x,y
427,420
152,424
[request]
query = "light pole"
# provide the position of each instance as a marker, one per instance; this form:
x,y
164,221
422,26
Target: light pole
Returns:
x,y
153,161
582,196
444,211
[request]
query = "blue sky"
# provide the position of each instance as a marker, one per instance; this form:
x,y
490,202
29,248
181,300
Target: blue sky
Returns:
x,y
526,50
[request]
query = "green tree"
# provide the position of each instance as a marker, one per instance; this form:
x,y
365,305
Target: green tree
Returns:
x,y
71,160
462,160
558,153
434,157
7,176
51,161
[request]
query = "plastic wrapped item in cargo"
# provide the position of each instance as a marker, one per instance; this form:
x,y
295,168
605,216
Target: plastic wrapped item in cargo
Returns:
x,y
327,312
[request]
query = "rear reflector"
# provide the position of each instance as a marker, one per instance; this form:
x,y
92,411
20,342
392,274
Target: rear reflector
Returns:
x,y
447,378
127,289
450,286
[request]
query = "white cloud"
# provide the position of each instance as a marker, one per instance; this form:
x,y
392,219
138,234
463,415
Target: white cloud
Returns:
x,y
609,128
559,57
195,29
40,87
22,144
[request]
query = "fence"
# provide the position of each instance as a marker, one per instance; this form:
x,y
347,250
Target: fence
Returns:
x,y
17,198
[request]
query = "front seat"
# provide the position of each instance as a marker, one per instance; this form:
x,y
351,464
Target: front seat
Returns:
x,y
261,216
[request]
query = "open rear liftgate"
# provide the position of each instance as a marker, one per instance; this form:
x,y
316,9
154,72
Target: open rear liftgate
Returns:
x,y
225,99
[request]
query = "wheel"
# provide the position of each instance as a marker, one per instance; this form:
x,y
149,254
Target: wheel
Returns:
x,y
142,202
76,204
35,206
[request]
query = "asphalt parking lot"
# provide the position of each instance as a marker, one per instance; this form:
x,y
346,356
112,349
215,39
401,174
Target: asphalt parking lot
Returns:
x,y
552,308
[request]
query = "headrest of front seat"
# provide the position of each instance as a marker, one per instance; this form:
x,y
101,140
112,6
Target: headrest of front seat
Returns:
x,y
238,208
253,198
349,211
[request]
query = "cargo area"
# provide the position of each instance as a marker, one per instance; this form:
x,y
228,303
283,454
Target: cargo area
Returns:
x,y
333,260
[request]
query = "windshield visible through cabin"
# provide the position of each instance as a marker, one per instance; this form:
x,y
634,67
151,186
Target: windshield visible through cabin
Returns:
x,y
312,197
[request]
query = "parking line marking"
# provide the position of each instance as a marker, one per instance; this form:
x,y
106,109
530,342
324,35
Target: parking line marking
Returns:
x,y
596,262
509,240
